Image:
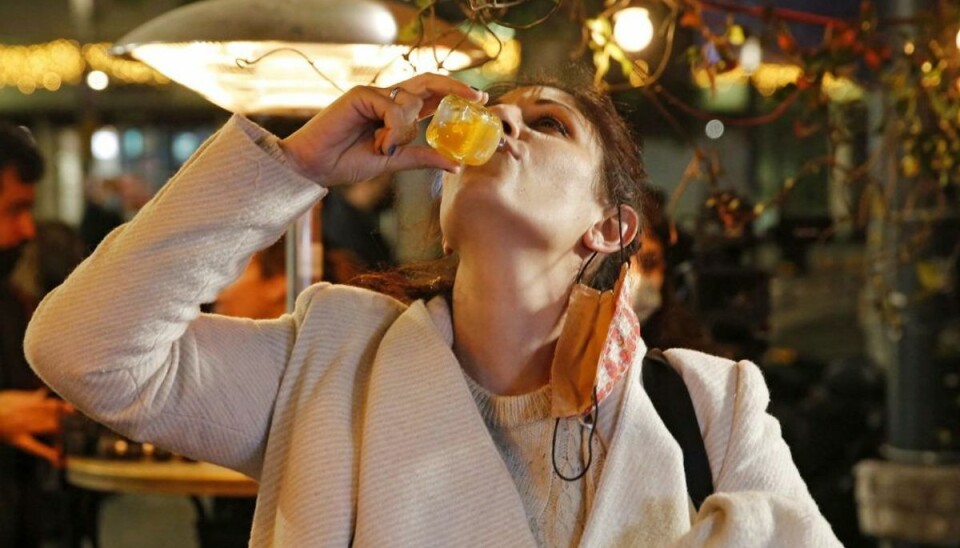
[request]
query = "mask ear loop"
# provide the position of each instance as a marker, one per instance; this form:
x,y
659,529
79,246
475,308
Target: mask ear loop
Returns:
x,y
623,252
583,268
592,425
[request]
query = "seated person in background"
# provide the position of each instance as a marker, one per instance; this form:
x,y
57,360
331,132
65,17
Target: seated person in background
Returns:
x,y
110,203
665,321
352,242
261,291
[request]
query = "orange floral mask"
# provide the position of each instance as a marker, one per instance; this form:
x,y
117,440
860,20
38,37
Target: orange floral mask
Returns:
x,y
597,344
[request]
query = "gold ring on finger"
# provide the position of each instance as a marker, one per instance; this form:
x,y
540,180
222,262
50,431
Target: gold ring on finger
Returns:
x,y
393,93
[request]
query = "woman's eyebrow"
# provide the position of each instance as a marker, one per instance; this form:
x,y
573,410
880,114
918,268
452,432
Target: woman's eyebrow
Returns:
x,y
550,102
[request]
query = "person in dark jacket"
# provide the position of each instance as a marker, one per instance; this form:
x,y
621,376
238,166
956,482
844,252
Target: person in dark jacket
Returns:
x,y
665,320
27,412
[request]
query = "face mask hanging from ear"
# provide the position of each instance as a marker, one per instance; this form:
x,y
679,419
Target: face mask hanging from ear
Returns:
x,y
597,344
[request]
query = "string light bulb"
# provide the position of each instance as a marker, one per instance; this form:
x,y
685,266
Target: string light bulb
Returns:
x,y
98,80
632,29
751,55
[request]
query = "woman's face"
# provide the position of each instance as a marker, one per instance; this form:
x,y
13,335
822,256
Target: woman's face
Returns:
x,y
539,190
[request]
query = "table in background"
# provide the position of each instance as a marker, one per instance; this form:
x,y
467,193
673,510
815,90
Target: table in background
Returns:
x,y
196,479
175,477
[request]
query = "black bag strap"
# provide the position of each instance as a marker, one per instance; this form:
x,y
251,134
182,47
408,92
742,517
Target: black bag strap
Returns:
x,y
672,401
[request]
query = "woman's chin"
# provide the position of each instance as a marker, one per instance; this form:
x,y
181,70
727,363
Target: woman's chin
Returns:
x,y
500,165
482,214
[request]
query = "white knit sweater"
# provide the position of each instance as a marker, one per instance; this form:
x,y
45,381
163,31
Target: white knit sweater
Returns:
x,y
523,432
353,412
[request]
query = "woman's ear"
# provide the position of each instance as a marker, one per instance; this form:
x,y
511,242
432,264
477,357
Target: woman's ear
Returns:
x,y
618,222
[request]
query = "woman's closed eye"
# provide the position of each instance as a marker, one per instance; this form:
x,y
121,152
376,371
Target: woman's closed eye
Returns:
x,y
550,123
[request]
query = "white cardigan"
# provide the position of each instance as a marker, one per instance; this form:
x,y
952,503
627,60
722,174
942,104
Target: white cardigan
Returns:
x,y
353,412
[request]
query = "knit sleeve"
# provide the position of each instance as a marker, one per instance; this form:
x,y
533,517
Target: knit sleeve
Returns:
x,y
123,337
760,498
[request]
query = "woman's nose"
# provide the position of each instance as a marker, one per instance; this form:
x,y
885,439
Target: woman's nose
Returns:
x,y
510,118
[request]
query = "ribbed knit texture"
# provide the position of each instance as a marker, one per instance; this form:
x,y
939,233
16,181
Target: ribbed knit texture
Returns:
x,y
353,412
522,429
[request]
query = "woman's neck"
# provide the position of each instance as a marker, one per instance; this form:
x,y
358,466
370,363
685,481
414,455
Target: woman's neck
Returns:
x,y
507,317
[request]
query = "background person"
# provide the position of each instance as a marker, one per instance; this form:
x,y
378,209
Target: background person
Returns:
x,y
350,220
108,203
261,290
27,412
665,320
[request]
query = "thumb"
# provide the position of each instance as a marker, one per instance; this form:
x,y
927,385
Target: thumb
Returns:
x,y
421,157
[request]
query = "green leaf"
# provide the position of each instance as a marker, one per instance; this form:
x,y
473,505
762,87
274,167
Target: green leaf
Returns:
x,y
602,61
409,33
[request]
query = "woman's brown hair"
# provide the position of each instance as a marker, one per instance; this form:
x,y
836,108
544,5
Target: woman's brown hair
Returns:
x,y
622,180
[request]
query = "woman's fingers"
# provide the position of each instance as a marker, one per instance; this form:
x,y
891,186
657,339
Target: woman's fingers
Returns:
x,y
359,135
436,85
420,157
400,123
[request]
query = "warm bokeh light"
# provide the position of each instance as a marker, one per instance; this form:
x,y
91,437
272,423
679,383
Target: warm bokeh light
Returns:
x,y
52,65
751,55
125,71
768,78
632,29
841,89
506,63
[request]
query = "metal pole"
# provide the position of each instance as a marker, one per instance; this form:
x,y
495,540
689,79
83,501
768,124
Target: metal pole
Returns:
x,y
304,255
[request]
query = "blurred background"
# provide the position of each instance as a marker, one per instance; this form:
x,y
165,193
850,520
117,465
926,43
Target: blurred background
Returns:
x,y
804,164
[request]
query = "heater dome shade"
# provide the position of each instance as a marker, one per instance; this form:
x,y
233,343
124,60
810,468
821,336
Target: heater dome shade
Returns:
x,y
316,21
292,57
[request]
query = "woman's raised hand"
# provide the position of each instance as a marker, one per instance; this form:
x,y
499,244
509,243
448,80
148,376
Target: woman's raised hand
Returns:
x,y
367,131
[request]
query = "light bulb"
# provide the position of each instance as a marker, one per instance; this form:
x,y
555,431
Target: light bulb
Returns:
x,y
958,39
751,55
105,143
632,29
98,80
714,129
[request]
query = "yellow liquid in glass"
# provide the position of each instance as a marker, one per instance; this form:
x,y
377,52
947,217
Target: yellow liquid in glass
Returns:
x,y
464,132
